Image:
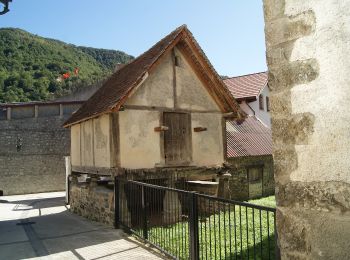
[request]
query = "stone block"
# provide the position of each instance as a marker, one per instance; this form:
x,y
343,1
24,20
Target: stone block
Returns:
x,y
172,209
293,130
285,76
291,28
273,9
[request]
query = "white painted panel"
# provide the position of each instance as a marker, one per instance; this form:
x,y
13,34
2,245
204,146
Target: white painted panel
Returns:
x,y
75,145
102,141
157,90
139,143
86,144
207,146
191,93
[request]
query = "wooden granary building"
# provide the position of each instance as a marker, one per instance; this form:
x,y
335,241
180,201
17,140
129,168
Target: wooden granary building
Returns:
x,y
159,115
165,108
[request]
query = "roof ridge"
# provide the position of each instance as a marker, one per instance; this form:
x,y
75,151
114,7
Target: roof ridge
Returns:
x,y
246,75
180,28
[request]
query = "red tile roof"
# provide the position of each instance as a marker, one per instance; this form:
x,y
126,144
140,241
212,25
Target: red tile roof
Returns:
x,y
247,86
250,138
115,91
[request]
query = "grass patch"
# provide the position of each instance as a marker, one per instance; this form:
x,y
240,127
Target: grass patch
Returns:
x,y
230,232
267,202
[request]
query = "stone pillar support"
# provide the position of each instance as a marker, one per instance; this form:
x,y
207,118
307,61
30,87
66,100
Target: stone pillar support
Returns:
x,y
8,114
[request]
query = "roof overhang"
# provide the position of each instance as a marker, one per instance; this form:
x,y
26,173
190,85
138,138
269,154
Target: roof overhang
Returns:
x,y
194,55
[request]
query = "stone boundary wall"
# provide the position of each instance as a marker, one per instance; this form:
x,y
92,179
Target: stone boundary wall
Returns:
x,y
33,144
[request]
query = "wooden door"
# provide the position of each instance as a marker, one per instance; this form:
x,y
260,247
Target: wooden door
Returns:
x,y
177,139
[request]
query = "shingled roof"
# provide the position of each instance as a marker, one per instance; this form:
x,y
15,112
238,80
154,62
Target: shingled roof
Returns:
x,y
248,138
247,86
122,84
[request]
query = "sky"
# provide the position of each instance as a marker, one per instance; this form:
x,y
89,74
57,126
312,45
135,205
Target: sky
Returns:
x,y
231,32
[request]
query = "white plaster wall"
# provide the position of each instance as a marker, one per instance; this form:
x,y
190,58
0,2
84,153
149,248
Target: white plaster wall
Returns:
x,y
263,115
75,145
326,156
87,157
244,106
139,143
191,93
102,141
157,90
207,146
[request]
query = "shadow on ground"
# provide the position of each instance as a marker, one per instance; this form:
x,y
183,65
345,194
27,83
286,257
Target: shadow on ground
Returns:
x,y
43,227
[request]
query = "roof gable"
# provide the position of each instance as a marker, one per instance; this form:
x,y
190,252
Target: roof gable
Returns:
x,y
122,84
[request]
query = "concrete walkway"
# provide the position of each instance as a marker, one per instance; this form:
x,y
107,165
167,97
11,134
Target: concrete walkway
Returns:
x,y
39,226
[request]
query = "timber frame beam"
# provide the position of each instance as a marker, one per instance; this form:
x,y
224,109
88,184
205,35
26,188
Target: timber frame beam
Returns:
x,y
167,109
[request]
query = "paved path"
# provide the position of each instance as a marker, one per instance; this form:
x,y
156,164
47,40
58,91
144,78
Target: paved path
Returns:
x,y
39,226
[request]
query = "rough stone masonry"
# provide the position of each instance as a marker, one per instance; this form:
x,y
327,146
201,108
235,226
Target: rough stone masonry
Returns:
x,y
308,50
33,144
38,165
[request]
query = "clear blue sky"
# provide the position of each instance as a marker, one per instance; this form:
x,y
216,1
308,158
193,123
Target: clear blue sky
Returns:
x,y
231,32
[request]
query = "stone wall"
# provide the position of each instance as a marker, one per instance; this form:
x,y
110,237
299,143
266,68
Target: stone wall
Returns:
x,y
308,45
238,188
33,144
91,200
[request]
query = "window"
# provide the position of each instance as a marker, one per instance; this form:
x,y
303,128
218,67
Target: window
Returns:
x,y
261,102
267,104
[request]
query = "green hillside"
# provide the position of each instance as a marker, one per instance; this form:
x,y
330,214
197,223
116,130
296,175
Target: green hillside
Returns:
x,y
30,66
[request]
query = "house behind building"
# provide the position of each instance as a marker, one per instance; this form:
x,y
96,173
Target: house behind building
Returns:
x,y
249,142
249,154
252,93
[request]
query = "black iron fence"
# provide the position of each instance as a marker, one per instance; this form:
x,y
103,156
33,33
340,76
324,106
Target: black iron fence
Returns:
x,y
188,225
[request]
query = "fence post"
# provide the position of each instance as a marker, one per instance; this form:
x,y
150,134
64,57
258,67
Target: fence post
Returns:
x,y
193,226
68,189
116,203
277,249
144,214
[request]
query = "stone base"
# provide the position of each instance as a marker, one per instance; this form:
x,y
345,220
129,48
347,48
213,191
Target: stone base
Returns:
x,y
93,201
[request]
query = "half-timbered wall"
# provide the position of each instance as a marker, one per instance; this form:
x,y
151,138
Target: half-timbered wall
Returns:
x,y
91,143
169,88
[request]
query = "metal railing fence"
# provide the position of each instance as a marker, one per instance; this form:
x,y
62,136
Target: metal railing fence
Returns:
x,y
189,225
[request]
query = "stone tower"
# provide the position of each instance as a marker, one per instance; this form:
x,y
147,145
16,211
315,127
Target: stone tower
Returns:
x,y
308,50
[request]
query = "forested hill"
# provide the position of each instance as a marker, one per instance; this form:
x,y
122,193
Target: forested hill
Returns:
x,y
32,68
